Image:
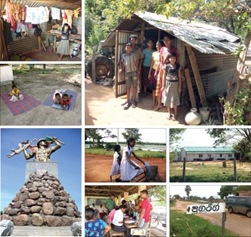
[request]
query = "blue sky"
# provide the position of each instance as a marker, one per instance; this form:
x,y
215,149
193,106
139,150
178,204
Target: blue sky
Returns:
x,y
68,157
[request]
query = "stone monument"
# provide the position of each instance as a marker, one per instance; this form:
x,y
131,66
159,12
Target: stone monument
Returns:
x,y
42,199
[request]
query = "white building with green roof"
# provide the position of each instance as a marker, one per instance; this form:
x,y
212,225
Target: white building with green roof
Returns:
x,y
204,153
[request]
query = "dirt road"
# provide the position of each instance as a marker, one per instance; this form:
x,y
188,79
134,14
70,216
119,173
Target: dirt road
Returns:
x,y
98,167
102,108
40,85
237,223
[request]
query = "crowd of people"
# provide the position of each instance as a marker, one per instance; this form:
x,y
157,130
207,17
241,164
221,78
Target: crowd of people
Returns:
x,y
123,167
100,220
157,70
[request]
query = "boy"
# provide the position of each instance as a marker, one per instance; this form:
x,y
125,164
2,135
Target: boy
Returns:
x,y
65,102
15,94
129,64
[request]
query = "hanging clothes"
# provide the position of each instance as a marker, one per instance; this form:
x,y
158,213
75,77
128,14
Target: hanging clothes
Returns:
x,y
9,15
69,14
37,15
55,13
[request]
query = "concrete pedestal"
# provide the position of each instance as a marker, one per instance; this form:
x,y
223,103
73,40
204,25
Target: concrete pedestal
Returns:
x,y
33,166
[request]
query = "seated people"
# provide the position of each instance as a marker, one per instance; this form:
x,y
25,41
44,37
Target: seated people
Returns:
x,y
15,94
112,213
57,97
118,221
65,102
93,226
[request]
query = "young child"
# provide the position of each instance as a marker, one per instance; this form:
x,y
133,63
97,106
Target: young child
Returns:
x,y
172,84
15,94
116,162
64,46
129,65
57,98
128,168
65,102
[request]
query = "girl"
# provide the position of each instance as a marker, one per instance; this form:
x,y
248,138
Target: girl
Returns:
x,y
172,85
154,65
15,94
116,162
164,53
129,169
64,46
146,64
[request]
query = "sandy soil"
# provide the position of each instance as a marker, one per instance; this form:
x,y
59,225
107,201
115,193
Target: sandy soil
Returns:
x,y
237,223
40,86
102,108
98,167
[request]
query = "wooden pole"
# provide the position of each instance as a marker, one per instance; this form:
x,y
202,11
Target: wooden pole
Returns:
x,y
116,63
190,88
223,220
93,65
184,170
235,170
197,77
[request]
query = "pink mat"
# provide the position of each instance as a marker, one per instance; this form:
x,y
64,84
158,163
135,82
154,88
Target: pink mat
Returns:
x,y
20,106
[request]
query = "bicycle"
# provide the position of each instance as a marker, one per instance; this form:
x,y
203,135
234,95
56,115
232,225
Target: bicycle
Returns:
x,y
155,221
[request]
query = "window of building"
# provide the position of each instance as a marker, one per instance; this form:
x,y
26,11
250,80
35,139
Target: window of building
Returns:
x,y
209,156
220,155
200,155
229,155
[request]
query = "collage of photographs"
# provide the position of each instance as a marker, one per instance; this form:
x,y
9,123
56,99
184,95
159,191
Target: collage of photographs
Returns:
x,y
125,118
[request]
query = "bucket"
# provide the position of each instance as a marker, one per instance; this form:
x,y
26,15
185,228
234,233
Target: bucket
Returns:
x,y
204,112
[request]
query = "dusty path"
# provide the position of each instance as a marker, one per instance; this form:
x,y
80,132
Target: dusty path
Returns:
x,y
237,223
102,108
98,167
40,86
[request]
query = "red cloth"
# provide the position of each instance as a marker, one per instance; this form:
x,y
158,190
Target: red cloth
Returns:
x,y
67,102
147,206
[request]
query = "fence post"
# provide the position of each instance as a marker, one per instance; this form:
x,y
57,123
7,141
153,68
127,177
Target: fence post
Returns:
x,y
235,170
223,220
184,170
94,65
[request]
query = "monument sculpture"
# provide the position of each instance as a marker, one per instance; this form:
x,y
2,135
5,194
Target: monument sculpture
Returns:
x,y
42,199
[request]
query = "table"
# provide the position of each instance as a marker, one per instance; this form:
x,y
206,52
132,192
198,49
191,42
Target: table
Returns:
x,y
134,230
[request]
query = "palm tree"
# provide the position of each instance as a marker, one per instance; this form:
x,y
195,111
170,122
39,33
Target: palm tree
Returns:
x,y
188,189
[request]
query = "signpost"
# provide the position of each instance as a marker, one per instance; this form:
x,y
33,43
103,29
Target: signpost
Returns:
x,y
208,208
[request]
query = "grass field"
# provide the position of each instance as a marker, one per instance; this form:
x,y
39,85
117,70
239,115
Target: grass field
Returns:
x,y
140,153
209,172
182,225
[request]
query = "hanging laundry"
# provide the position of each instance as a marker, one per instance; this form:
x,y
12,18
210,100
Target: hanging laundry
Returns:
x,y
68,18
37,15
55,13
9,15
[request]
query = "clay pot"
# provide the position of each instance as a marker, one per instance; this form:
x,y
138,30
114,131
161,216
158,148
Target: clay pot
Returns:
x,y
193,117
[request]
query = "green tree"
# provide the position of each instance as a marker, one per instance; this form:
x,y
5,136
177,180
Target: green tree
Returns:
x,y
188,189
243,147
159,192
96,135
175,135
132,132
226,190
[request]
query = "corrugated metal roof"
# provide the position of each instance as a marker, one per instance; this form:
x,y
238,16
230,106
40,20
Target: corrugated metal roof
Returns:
x,y
209,149
203,37
62,4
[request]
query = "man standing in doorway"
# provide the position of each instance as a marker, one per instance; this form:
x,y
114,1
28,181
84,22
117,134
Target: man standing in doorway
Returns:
x,y
110,203
146,208
139,55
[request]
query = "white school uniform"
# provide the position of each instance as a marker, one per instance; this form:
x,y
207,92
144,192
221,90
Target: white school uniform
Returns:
x,y
128,171
115,170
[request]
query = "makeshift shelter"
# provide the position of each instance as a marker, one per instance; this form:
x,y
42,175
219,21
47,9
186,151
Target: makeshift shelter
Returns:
x,y
204,50
20,19
204,153
102,192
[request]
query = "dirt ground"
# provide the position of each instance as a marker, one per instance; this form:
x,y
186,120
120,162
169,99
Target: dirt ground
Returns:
x,y
40,86
98,167
237,223
49,56
102,108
